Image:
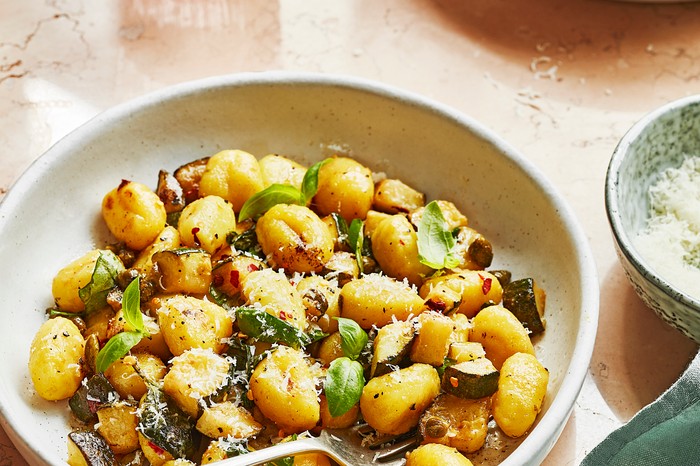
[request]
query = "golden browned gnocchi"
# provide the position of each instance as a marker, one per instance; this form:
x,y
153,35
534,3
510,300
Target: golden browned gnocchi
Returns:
x,y
274,300
54,359
234,175
134,214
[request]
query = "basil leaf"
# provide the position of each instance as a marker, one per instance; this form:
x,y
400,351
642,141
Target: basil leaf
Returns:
x,y
131,307
262,201
353,338
309,185
246,242
343,386
435,241
104,278
116,348
356,237
262,326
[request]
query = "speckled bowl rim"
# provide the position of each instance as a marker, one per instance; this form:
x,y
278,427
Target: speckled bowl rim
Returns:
x,y
540,441
612,206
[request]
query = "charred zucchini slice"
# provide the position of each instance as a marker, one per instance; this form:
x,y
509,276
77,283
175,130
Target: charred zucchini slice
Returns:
x,y
471,379
170,192
392,344
526,301
91,396
89,446
189,176
165,425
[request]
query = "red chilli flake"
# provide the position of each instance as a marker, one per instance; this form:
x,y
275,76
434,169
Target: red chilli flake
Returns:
x,y
486,285
235,279
283,315
195,230
159,451
253,268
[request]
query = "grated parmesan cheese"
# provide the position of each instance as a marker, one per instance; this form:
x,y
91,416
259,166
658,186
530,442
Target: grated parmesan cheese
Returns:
x,y
671,240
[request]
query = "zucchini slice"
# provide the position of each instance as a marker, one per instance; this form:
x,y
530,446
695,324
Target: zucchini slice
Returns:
x,y
391,345
89,446
91,396
456,422
184,270
189,176
471,379
526,301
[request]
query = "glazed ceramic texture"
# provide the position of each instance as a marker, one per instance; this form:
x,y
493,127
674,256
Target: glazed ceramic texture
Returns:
x,y
658,141
306,117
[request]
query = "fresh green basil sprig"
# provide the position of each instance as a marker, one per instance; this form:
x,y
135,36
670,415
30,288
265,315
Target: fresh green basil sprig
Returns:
x,y
277,193
120,344
258,324
345,376
102,281
435,242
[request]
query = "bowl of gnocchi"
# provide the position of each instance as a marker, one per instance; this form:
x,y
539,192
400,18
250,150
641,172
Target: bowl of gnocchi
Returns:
x,y
244,261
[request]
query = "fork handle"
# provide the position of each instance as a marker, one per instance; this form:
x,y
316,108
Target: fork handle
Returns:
x,y
305,445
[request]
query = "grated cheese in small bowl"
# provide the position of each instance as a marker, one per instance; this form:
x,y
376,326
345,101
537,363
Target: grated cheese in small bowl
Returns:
x,y
671,240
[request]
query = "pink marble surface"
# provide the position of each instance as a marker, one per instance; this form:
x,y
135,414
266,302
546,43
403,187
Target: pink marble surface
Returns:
x,y
561,80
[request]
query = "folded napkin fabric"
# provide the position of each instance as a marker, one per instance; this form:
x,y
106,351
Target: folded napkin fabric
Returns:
x,y
664,433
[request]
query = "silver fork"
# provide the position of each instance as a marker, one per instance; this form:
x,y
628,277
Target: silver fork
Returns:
x,y
344,446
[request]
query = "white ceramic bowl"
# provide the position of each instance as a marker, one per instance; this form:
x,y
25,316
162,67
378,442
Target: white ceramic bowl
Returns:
x,y
658,141
52,214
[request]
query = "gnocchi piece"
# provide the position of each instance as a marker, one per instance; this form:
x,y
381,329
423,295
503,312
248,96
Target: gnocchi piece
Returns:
x,y
284,388
395,247
228,275
234,175
393,403
277,169
55,359
294,238
501,334
376,299
373,219
205,223
346,187
522,386
117,425
450,212
187,322
394,196
70,279
341,422
195,374
467,291
227,419
129,383
311,459
435,453
342,267
272,291
330,349
134,214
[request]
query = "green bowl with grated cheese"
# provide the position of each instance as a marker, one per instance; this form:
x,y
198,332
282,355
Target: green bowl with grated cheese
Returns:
x,y
652,197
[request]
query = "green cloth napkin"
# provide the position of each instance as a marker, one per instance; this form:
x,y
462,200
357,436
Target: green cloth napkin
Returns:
x,y
664,433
